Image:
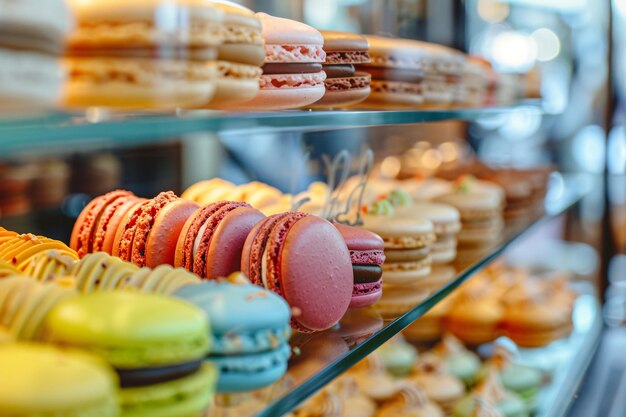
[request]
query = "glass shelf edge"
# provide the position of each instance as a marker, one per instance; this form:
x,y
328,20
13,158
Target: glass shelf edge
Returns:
x,y
290,401
60,130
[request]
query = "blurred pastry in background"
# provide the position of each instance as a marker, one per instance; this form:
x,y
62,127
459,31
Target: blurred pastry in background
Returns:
x,y
33,37
96,174
50,184
15,182
432,375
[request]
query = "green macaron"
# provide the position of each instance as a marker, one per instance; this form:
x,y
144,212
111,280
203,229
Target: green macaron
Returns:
x,y
155,343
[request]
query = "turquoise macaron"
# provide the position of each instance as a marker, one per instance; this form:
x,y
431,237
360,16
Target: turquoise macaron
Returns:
x,y
250,328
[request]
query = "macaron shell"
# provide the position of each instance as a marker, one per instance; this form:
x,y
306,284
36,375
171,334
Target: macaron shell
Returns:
x,y
284,98
114,224
163,237
104,220
224,254
144,225
128,221
364,295
341,98
316,273
280,31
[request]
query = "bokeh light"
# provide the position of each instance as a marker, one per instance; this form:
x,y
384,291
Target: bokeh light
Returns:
x,y
548,44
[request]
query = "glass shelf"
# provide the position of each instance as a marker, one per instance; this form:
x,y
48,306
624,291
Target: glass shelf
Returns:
x,y
97,128
323,356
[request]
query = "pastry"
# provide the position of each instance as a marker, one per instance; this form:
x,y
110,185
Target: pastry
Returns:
x,y
397,73
24,304
7,270
49,265
459,361
373,380
398,356
433,377
440,276
410,401
240,55
443,68
19,250
32,39
407,243
148,235
476,318
292,73
344,86
208,191
446,222
492,392
212,238
367,255
304,259
40,380
155,343
250,328
481,206
124,55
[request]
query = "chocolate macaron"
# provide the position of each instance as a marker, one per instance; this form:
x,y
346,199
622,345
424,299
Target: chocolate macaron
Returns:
x,y
344,85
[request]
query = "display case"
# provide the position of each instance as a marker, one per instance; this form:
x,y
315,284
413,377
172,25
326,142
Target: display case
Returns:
x,y
53,162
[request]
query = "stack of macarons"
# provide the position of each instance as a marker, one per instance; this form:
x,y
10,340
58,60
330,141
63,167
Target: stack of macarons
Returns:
x,y
19,250
32,40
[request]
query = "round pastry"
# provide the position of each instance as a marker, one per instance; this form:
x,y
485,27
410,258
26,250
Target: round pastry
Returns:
x,y
410,401
344,86
24,304
7,270
19,250
292,73
367,253
250,328
147,235
49,265
481,207
125,55
537,322
211,241
240,55
407,243
398,356
305,260
69,383
161,280
155,343
459,361
476,319
208,191
491,391
32,38
396,68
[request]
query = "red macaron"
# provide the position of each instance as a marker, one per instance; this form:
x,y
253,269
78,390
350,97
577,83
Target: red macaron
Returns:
x,y
84,231
211,240
147,235
304,259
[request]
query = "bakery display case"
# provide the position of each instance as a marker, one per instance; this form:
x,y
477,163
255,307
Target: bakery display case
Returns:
x,y
376,208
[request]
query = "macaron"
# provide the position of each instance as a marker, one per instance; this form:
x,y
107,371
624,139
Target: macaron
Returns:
x,y
208,191
399,299
431,326
123,55
240,55
19,250
155,343
250,331
7,270
481,206
148,235
305,260
211,240
398,356
344,85
42,380
410,401
32,41
293,76
476,319
407,243
24,304
367,254
493,392
536,322
461,362
397,72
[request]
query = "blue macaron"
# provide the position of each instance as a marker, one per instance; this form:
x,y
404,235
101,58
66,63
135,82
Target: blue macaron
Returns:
x,y
251,331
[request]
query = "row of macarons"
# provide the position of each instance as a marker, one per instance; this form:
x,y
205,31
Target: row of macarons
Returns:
x,y
446,380
223,56
101,297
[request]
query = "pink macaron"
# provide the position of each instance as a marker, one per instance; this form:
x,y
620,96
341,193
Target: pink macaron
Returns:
x,y
212,238
304,259
292,74
367,254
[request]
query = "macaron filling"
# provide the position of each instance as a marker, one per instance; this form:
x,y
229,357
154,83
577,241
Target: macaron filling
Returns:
x,y
148,376
367,274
